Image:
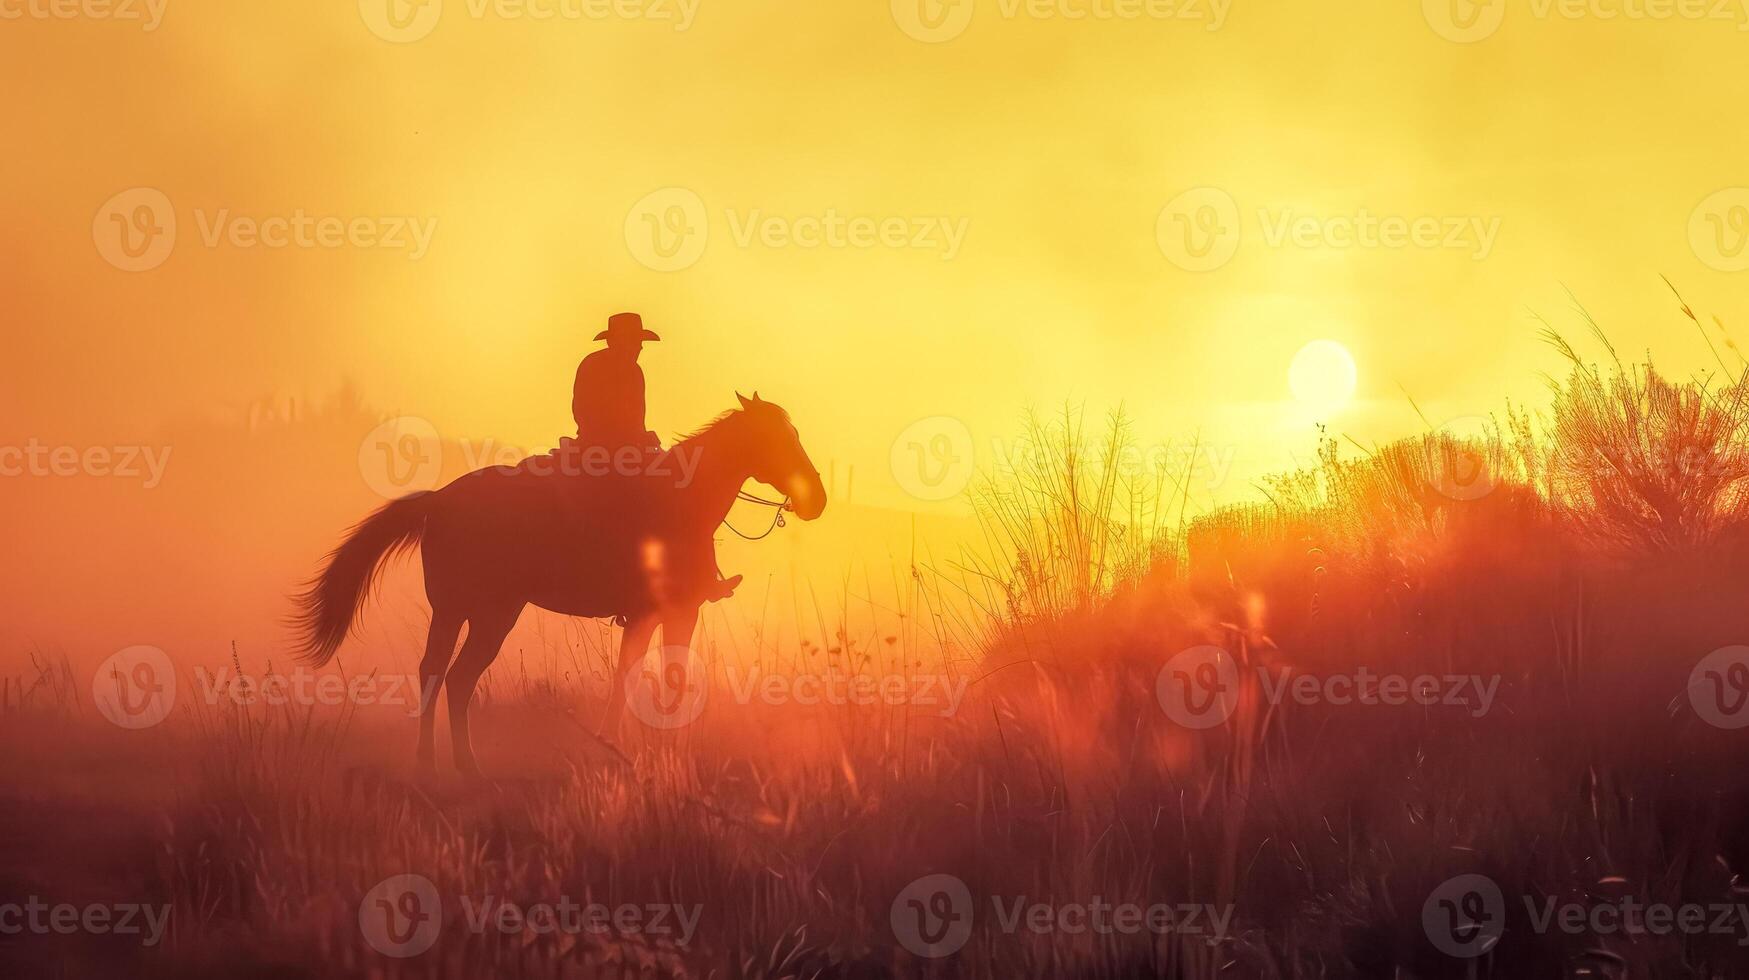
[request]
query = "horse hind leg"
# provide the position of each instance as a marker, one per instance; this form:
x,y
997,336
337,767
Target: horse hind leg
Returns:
x,y
486,633
439,648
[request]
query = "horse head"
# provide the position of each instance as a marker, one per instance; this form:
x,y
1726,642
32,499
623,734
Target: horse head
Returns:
x,y
777,458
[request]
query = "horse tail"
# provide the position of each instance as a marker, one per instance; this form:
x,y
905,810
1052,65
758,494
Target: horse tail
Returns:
x,y
330,602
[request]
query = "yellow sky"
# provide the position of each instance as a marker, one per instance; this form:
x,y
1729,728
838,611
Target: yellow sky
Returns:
x,y
1051,143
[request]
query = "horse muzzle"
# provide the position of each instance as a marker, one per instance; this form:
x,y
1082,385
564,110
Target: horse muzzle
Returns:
x,y
807,496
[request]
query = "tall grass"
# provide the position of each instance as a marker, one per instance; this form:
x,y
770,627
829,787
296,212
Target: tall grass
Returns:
x,y
1324,827
1069,517
1640,462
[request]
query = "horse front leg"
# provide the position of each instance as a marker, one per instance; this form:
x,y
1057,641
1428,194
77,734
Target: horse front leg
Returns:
x,y
678,625
634,642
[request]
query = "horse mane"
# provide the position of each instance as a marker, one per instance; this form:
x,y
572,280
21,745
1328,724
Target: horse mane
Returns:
x,y
708,427
721,420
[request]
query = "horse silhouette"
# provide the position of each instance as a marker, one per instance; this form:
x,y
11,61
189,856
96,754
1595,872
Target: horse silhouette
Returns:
x,y
634,543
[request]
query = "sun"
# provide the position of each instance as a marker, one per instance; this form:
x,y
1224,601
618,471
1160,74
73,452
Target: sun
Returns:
x,y
1323,376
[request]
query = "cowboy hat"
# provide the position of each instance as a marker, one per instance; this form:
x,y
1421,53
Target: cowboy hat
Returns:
x,y
626,326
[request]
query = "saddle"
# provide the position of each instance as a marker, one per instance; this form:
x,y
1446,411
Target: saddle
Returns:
x,y
625,512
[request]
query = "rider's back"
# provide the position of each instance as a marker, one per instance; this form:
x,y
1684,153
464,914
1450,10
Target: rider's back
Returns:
x,y
607,399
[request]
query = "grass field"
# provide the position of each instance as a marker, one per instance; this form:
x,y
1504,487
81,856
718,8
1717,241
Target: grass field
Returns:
x,y
1274,741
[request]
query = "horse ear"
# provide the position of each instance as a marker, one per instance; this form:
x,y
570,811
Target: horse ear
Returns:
x,y
745,404
756,396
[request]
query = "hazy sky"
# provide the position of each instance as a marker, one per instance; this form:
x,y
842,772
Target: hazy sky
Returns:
x,y
1015,170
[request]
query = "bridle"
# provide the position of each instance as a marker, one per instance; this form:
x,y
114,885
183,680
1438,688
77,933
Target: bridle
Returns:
x,y
777,520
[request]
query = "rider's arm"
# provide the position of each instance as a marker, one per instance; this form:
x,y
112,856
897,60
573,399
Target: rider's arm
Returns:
x,y
636,385
578,387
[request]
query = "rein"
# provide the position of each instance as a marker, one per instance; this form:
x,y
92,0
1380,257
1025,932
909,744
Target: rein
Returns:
x,y
777,520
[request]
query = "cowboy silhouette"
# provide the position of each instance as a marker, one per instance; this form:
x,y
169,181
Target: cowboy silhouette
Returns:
x,y
607,402
607,399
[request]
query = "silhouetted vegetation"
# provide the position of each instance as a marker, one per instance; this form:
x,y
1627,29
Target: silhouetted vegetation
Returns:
x,y
1581,560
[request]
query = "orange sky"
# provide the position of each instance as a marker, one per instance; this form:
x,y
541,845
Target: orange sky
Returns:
x,y
1027,158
